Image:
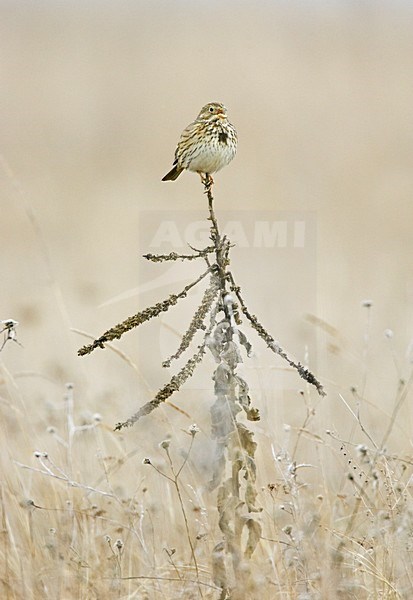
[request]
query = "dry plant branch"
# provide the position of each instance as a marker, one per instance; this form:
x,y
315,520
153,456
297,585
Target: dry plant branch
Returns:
x,y
272,344
197,322
136,320
164,393
172,256
174,479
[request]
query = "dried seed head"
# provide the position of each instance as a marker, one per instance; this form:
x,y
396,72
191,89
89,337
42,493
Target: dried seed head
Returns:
x,y
9,323
362,449
193,429
40,454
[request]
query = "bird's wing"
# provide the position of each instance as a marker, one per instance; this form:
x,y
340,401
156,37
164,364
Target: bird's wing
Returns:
x,y
187,137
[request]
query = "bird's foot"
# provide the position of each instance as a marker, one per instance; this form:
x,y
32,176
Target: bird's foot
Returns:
x,y
207,181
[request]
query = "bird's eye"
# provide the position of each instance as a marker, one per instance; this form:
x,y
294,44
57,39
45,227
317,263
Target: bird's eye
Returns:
x,y
211,109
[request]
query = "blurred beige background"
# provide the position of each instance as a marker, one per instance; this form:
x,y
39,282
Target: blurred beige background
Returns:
x,y
94,96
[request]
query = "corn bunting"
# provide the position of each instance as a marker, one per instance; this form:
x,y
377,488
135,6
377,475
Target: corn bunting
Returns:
x,y
206,145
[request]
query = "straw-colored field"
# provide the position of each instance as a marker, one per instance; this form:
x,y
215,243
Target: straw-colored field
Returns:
x,y
94,96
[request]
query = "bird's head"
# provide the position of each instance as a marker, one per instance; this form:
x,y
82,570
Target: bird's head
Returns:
x,y
213,111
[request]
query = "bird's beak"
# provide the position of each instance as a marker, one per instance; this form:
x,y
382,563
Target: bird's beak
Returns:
x,y
222,115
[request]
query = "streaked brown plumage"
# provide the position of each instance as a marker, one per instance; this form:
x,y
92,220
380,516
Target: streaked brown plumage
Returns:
x,y
207,144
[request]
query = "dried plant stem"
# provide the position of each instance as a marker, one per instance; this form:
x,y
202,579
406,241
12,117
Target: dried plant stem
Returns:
x,y
197,321
164,393
172,256
177,579
174,479
272,344
136,320
404,390
64,478
221,245
181,503
235,448
379,451
176,381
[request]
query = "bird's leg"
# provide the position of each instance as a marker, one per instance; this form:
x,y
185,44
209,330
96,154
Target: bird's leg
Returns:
x,y
207,179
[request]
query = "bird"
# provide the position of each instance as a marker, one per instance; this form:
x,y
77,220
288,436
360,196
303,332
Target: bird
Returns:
x,y
207,145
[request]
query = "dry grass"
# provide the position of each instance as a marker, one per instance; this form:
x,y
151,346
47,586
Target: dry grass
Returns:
x,y
83,517
93,104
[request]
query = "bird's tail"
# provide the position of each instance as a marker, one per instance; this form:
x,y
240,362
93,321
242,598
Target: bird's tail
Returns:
x,y
173,174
